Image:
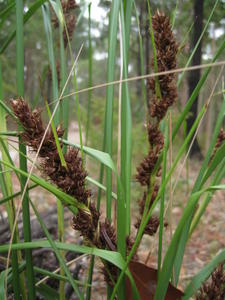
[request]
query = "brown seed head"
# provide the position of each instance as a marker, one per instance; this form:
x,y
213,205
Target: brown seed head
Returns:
x,y
214,288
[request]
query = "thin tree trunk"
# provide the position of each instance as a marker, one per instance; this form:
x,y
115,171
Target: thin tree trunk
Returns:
x,y
194,76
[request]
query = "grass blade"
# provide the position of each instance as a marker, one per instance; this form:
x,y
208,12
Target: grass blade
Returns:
x,y
198,185
123,203
47,292
113,25
102,157
111,256
62,159
219,175
162,201
67,199
58,255
126,119
198,279
157,85
89,73
141,53
22,149
162,188
5,12
34,7
7,109
5,199
165,274
50,44
58,113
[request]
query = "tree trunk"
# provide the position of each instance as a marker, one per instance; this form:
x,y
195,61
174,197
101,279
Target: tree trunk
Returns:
x,y
194,76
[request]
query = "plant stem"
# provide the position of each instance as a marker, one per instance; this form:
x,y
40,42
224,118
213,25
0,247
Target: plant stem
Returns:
x,y
22,149
89,73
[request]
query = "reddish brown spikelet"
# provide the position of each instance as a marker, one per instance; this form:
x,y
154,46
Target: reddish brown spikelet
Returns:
x,y
155,136
107,236
166,58
146,167
71,4
87,223
107,240
70,24
70,179
166,48
111,272
214,289
165,43
151,227
130,242
70,19
143,200
31,121
219,142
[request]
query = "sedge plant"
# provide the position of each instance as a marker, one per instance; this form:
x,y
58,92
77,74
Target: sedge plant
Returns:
x,y
63,163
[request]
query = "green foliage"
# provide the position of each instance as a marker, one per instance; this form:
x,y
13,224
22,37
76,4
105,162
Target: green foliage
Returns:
x,y
101,113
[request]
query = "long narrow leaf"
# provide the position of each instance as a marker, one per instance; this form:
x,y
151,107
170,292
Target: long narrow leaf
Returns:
x,y
101,156
58,255
34,7
110,256
67,199
198,185
198,279
22,149
113,25
62,159
166,272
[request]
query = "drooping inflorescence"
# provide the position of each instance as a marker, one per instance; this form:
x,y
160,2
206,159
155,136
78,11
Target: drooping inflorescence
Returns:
x,y
70,179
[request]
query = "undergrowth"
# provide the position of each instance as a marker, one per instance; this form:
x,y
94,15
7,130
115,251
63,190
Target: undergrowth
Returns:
x,y
114,235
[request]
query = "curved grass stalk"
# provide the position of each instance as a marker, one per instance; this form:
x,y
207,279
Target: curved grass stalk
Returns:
x,y
207,66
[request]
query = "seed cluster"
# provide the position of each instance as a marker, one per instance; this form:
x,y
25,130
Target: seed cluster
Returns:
x,y
70,19
166,49
214,289
219,142
70,179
